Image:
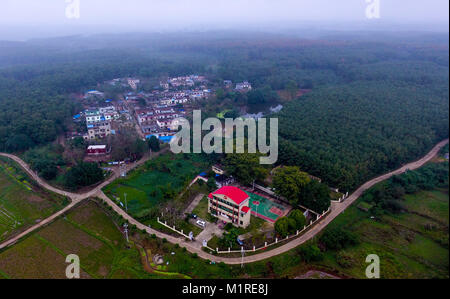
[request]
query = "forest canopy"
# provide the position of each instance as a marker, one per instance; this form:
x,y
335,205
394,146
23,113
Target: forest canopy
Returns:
x,y
372,105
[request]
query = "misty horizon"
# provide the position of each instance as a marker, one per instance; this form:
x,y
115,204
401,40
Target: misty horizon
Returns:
x,y
26,19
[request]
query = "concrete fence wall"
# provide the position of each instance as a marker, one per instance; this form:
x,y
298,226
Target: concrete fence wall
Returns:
x,y
172,228
277,241
342,198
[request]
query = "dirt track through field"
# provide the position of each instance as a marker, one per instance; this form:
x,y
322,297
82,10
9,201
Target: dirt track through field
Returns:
x,y
336,209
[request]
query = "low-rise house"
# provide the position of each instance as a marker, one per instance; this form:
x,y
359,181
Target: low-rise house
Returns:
x,y
218,169
244,86
133,83
96,150
98,130
149,127
174,101
164,85
107,109
231,205
227,83
197,94
94,93
92,116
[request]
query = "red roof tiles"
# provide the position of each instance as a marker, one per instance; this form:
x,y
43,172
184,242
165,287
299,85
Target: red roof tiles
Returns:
x,y
234,193
245,209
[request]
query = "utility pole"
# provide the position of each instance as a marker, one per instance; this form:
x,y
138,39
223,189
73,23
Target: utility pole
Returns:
x,y
126,231
242,253
126,206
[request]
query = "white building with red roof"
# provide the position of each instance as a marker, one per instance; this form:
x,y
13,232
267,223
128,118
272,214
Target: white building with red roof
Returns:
x,y
230,204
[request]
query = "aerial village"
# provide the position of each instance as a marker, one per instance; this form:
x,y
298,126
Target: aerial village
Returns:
x,y
149,113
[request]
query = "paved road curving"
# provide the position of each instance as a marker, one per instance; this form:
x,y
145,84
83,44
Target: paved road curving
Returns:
x,y
75,197
336,209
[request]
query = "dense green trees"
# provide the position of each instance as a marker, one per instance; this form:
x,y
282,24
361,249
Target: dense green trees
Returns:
x,y
127,144
229,238
285,226
299,218
289,182
310,253
387,197
153,144
347,134
289,225
337,239
315,196
374,105
46,160
28,118
83,174
262,96
298,188
245,167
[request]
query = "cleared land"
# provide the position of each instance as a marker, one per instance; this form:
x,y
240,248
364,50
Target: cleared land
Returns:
x,y
22,203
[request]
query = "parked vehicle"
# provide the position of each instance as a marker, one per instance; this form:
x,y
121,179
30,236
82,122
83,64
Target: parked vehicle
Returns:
x,y
201,223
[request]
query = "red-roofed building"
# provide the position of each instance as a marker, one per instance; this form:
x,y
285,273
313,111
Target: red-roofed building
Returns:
x,y
230,204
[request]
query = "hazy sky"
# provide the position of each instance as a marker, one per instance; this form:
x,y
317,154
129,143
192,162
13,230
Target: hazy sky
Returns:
x,y
182,14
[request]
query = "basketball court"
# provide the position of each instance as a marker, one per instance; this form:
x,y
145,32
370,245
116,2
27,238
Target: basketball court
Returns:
x,y
265,208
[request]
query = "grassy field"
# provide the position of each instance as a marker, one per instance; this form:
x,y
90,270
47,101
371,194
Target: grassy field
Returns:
x,y
157,181
22,203
88,232
201,210
410,245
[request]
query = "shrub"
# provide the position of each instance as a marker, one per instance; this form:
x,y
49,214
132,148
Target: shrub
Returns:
x,y
337,238
299,218
310,253
345,260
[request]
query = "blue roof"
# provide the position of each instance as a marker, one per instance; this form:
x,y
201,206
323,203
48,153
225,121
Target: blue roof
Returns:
x,y
161,138
76,116
165,138
203,174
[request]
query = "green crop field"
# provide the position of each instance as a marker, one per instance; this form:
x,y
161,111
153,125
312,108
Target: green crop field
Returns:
x,y
158,180
87,232
22,204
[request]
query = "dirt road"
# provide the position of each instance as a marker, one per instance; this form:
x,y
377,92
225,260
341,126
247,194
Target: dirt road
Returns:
x,y
75,197
336,209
